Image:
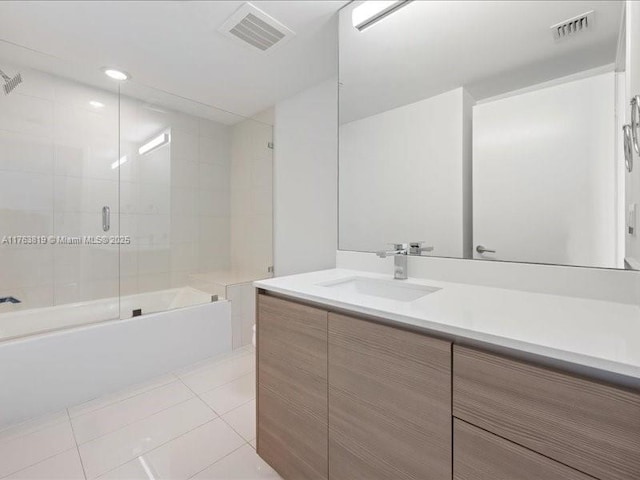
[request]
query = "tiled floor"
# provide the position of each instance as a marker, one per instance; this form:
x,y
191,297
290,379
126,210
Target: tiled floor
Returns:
x,y
195,423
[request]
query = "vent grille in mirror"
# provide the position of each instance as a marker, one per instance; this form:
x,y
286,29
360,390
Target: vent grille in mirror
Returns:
x,y
573,26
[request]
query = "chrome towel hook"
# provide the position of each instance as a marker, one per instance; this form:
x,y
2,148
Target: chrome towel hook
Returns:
x,y
635,119
628,148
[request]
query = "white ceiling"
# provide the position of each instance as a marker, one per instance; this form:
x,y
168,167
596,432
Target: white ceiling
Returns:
x,y
174,47
489,47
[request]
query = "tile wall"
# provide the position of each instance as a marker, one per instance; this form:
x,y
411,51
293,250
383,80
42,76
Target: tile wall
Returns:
x,y
57,153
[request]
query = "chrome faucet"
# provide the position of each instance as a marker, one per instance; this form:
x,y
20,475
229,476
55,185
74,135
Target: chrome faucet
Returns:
x,y
416,248
399,252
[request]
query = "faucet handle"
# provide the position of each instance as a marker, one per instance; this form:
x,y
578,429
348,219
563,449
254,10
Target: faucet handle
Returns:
x,y
398,248
416,248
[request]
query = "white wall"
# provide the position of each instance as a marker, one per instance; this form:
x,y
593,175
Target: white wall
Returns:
x,y
403,175
544,175
305,180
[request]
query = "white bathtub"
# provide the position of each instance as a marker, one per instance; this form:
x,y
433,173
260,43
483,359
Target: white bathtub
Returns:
x,y
44,372
19,323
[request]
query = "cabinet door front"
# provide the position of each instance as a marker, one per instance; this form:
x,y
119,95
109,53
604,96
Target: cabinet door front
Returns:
x,y
589,426
292,388
480,455
389,403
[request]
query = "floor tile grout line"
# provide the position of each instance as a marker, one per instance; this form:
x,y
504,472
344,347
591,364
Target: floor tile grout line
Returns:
x,y
155,448
136,421
199,398
69,418
84,472
220,386
238,406
37,463
39,430
216,364
215,360
220,416
33,419
231,426
177,378
172,373
122,400
252,372
218,460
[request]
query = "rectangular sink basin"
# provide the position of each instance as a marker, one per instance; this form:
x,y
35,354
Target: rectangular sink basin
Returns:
x,y
399,290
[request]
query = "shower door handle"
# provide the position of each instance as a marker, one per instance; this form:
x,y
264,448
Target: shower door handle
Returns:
x,y
106,218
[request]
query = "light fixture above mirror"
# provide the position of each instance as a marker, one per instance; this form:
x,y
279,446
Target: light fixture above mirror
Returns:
x,y
371,12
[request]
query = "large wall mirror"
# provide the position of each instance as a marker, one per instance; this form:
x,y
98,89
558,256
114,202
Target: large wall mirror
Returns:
x,y
491,130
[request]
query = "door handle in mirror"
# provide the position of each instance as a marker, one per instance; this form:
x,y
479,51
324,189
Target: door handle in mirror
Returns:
x,y
481,249
628,148
635,120
106,218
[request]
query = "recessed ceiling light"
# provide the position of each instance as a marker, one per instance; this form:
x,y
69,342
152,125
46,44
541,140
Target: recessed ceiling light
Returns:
x,y
116,74
370,12
96,104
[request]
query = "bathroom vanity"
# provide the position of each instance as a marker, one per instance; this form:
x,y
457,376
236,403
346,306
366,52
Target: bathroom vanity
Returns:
x,y
369,385
502,134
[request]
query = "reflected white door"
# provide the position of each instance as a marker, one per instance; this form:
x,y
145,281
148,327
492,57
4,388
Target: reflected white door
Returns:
x,y
544,175
632,83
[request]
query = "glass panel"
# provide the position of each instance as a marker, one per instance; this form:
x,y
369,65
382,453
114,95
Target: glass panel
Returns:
x,y
58,141
196,198
188,189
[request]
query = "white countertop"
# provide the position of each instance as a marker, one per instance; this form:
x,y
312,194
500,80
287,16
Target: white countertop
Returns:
x,y
591,333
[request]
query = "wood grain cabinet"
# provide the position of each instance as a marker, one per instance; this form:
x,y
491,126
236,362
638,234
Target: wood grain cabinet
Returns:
x,y
480,455
389,403
344,398
589,426
292,388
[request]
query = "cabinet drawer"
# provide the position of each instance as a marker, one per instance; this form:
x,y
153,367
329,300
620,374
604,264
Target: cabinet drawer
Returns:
x,y
479,455
589,426
389,403
292,388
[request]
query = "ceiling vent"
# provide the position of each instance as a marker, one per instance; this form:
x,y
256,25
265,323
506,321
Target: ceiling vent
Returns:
x,y
573,26
252,27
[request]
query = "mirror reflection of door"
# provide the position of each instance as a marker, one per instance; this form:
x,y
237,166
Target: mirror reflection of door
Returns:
x,y
545,184
631,87
502,141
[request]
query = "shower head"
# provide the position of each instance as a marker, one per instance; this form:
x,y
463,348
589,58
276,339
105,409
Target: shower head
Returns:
x,y
10,83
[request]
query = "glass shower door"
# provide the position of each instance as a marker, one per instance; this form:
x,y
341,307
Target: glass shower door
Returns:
x,y
86,200
58,145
